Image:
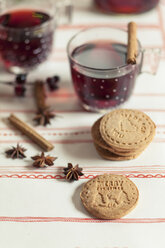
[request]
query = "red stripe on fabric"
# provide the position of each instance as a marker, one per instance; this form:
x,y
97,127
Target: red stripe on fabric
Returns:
x,y
41,176
114,25
76,133
86,172
52,141
161,25
63,128
154,166
34,111
78,141
81,220
52,129
50,134
69,111
71,95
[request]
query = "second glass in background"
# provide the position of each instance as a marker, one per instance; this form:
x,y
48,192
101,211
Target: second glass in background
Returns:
x,y
125,6
26,32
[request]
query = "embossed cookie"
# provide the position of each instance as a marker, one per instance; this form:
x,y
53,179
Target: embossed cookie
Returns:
x,y
127,129
114,157
102,144
109,196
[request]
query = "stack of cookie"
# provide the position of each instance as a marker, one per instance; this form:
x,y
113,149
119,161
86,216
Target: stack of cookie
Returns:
x,y
122,134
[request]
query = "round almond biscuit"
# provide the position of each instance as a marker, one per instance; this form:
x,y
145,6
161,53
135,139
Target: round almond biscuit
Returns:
x,y
127,129
109,196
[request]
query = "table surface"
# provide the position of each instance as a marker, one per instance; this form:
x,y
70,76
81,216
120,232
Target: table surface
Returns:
x,y
38,208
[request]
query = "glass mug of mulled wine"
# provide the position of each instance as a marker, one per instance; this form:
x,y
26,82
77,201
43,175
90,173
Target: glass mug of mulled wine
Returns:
x,y
101,77
125,6
26,31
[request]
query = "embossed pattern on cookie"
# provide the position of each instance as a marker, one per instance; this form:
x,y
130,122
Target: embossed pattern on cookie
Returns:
x,y
102,144
127,129
109,196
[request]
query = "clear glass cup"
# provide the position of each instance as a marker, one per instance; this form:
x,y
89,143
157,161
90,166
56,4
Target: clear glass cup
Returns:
x,y
126,6
27,31
101,77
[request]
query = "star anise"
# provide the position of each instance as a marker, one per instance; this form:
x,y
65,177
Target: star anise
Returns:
x,y
73,173
43,117
16,152
43,161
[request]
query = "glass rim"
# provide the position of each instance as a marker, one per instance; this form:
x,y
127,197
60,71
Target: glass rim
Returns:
x,y
99,69
33,28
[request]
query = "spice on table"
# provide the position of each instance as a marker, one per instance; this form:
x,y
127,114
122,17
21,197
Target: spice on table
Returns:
x,y
53,82
20,88
16,152
40,95
132,43
43,161
21,78
73,173
43,117
31,133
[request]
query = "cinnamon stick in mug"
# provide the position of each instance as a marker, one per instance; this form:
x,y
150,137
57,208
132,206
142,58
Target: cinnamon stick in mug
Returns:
x,y
132,43
31,133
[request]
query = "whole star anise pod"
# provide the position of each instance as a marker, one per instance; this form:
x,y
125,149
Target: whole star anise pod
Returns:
x,y
43,117
43,161
73,173
16,152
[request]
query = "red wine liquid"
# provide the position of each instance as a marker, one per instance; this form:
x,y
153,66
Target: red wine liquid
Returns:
x,y
126,6
24,41
107,91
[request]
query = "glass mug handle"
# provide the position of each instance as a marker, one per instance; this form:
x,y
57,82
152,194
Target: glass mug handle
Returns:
x,y
63,12
150,60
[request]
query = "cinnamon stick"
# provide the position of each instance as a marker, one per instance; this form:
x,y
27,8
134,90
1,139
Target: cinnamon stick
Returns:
x,y
132,43
40,96
31,133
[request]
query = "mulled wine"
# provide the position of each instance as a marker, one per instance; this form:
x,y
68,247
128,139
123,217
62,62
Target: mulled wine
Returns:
x,y
26,38
99,75
126,6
